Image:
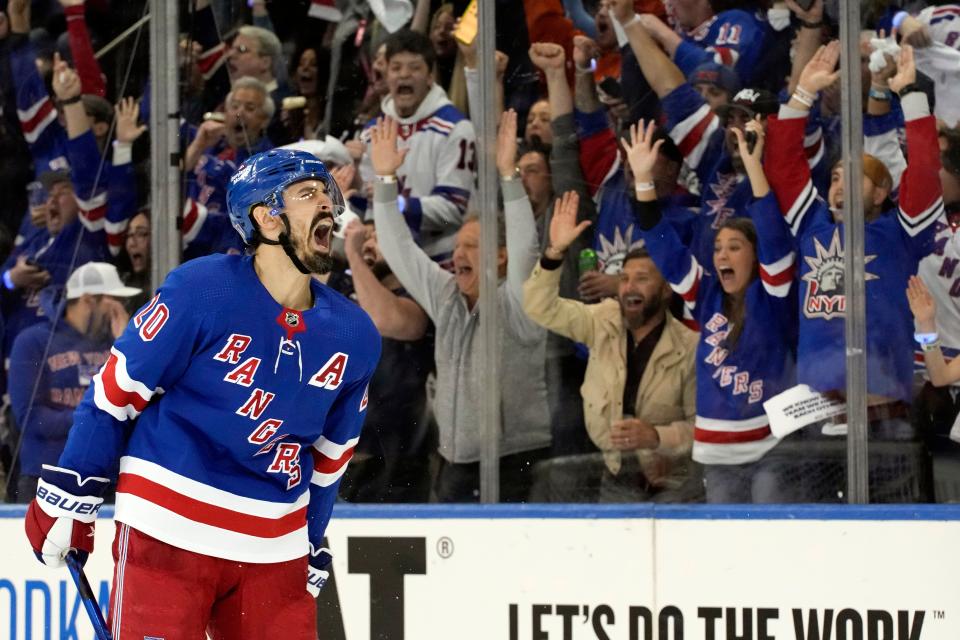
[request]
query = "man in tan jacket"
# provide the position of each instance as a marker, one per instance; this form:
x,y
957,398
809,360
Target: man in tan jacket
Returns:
x,y
639,391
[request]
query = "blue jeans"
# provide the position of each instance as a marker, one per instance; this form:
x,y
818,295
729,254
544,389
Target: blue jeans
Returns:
x,y
760,482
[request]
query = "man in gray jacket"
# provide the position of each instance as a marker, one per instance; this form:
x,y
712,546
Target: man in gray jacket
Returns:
x,y
450,299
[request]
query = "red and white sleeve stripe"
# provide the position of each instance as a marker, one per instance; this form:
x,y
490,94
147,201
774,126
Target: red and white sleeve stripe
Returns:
x,y
778,276
921,194
116,234
36,119
800,206
688,287
211,60
692,134
93,211
330,460
194,215
786,165
116,393
813,147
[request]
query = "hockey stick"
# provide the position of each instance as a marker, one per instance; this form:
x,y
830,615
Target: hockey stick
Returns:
x,y
89,600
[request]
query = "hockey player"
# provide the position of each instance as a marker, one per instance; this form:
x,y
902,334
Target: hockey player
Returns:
x,y
249,380
437,176
746,314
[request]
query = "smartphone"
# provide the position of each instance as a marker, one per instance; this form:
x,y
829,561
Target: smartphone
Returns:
x,y
466,30
750,137
37,194
612,88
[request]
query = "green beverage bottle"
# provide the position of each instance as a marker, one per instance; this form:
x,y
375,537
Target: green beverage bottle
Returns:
x,y
588,260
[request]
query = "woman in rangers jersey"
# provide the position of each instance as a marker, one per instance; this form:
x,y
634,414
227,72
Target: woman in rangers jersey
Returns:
x,y
746,311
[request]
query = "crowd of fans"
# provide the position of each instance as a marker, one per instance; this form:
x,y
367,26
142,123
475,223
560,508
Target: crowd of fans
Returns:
x,y
670,243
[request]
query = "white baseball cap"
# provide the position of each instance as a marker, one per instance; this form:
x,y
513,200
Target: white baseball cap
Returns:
x,y
98,279
329,150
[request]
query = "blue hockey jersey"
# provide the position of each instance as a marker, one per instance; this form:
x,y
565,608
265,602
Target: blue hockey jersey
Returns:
x,y
895,242
61,368
734,38
96,180
248,413
59,256
36,110
206,224
731,426
724,191
615,230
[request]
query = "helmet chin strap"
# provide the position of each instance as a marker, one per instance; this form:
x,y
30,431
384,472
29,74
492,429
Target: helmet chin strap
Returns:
x,y
287,245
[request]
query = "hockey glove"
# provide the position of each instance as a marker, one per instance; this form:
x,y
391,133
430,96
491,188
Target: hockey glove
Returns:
x,y
318,571
62,515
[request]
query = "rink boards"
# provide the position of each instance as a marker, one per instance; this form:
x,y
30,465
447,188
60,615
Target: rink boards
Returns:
x,y
577,572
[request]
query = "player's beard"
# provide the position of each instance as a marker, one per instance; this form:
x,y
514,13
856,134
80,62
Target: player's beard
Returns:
x,y
315,262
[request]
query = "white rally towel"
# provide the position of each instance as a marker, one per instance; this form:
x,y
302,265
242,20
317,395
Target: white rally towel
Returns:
x,y
325,10
392,14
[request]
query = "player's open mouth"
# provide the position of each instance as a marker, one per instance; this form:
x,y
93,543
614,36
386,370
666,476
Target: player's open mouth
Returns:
x,y
726,274
632,302
463,270
404,90
321,233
